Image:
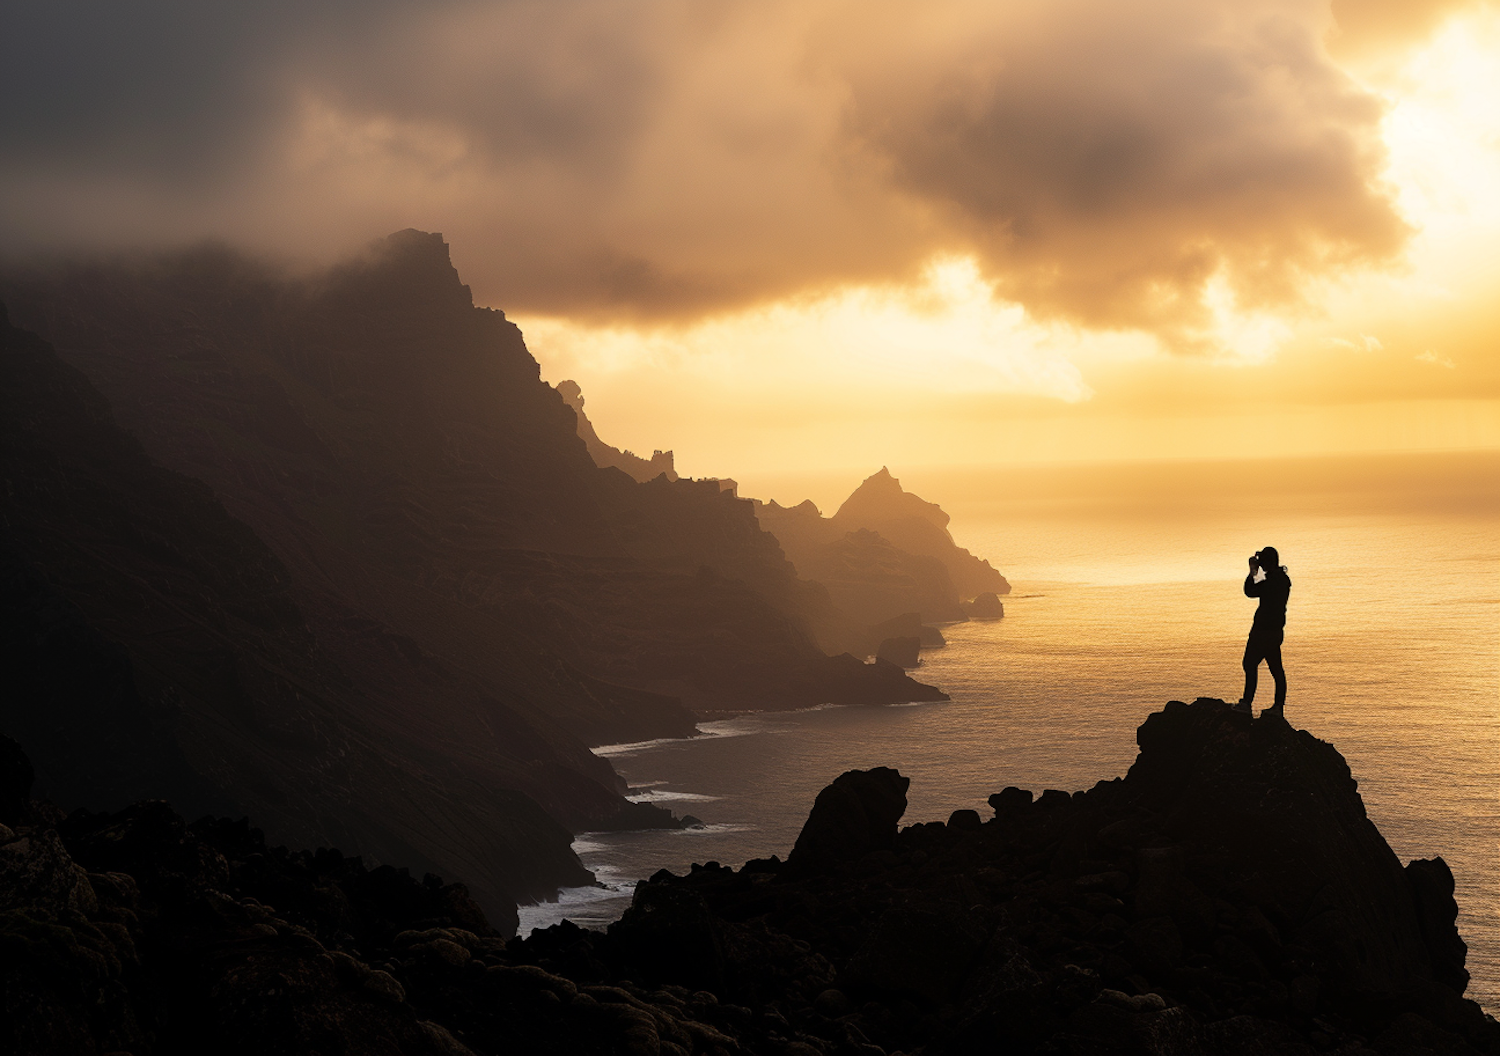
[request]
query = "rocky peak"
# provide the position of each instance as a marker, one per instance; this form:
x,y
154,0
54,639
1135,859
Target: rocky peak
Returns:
x,y
420,262
881,498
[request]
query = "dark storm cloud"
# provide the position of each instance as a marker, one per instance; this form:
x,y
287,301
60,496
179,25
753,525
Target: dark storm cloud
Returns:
x,y
666,158
167,88
1109,159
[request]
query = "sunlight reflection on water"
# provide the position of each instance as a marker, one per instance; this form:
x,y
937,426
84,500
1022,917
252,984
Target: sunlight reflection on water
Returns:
x,y
1392,652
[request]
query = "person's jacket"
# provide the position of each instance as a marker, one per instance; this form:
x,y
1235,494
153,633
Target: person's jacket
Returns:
x,y
1272,591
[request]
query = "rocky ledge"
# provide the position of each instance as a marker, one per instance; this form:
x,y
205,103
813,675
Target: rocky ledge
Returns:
x,y
1228,895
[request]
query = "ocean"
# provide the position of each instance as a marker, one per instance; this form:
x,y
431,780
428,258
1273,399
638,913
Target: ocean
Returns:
x,y
1126,594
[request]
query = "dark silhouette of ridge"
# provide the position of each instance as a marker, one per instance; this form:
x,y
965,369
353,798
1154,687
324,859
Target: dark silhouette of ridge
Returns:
x,y
328,550
153,648
885,553
640,469
396,448
1228,895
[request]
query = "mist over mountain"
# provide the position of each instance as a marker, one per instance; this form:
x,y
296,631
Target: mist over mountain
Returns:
x,y
881,505
886,552
886,555
355,570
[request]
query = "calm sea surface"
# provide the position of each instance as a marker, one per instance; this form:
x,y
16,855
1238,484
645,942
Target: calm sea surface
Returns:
x,y
1126,595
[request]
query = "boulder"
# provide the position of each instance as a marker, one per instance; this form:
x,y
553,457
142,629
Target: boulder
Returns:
x,y
1432,894
850,818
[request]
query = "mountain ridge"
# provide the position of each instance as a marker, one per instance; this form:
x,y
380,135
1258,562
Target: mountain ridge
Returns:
x,y
466,601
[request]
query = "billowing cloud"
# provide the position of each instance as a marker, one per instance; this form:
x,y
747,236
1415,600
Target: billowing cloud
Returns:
x,y
1362,26
1115,166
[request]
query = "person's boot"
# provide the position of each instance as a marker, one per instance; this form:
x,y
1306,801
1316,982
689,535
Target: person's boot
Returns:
x,y
1242,706
1276,710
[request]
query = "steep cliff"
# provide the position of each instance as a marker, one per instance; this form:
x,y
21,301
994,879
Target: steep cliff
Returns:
x,y
638,468
886,552
919,527
153,647
396,449
348,566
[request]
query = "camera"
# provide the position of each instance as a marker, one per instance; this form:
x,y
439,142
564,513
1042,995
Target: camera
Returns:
x,y
1255,559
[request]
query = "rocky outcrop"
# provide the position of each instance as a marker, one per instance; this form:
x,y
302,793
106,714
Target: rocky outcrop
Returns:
x,y
919,527
986,606
885,553
638,468
1227,896
853,817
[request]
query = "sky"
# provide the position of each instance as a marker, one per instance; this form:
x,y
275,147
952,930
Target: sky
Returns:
x,y
826,235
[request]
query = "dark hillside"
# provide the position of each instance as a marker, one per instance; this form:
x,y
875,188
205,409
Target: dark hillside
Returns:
x,y
397,450
153,648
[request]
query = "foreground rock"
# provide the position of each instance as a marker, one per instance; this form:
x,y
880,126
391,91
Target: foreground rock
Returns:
x,y
1227,896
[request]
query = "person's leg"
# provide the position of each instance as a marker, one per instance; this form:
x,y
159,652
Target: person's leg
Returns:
x,y
1278,673
1251,662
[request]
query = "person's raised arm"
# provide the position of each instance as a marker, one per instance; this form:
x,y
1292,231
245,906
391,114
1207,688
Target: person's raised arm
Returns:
x,y
1252,588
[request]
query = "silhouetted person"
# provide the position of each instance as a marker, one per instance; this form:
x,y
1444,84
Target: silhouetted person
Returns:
x,y
1270,622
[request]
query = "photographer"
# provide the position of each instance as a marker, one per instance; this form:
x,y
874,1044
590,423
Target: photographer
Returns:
x,y
1270,621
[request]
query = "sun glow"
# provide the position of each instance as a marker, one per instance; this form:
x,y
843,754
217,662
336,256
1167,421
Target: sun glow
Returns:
x,y
1375,360
945,334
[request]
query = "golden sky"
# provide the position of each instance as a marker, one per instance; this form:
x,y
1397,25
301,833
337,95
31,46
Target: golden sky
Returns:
x,y
823,234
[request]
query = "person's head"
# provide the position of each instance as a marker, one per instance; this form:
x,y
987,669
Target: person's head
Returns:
x,y
1269,558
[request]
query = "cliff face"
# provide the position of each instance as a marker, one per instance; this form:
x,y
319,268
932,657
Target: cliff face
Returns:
x,y
919,527
637,468
885,553
348,566
153,647
396,449
1227,896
